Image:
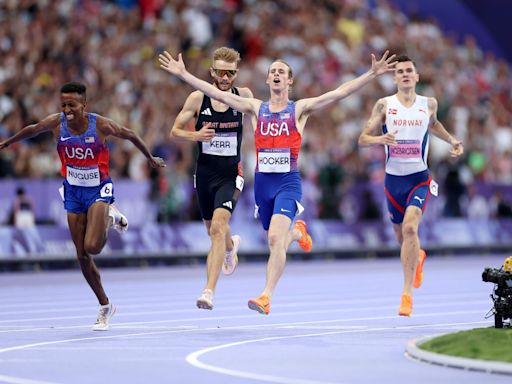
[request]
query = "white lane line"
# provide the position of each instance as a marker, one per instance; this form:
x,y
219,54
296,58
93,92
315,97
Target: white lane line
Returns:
x,y
345,308
136,324
203,366
193,358
19,380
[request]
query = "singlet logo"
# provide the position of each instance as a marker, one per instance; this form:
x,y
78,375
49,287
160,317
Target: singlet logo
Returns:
x,y
206,112
274,129
79,153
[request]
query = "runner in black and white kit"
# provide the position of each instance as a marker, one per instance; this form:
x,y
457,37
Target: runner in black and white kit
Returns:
x,y
218,179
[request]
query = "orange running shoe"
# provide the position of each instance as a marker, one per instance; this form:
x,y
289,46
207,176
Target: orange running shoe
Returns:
x,y
418,277
261,304
305,242
405,306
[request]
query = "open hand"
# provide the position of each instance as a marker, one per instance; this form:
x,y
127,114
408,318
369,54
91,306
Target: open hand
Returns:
x,y
167,62
384,64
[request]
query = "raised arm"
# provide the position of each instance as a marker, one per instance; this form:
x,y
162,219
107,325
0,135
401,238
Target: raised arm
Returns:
x,y
108,127
177,68
370,134
310,105
438,129
49,123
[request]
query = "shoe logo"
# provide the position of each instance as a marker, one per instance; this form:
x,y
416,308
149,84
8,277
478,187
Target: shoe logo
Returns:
x,y
228,204
65,138
419,199
285,210
206,112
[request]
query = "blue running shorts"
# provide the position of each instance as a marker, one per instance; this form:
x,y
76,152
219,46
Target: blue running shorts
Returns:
x,y
79,199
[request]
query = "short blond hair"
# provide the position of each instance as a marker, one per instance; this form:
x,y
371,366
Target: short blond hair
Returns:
x,y
226,54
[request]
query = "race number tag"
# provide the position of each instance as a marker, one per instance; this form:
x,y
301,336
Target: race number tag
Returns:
x,y
223,144
88,177
434,188
275,160
239,183
106,190
406,151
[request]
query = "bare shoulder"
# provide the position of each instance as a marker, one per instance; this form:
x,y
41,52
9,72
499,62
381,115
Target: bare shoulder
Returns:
x,y
51,120
432,103
106,125
380,106
245,92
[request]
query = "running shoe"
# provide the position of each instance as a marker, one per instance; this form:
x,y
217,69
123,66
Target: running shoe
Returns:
x,y
418,277
305,242
405,305
105,313
261,304
205,301
119,221
231,258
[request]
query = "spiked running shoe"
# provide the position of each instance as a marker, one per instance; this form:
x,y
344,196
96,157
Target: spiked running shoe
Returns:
x,y
418,277
231,259
205,301
261,304
119,221
305,242
405,306
105,313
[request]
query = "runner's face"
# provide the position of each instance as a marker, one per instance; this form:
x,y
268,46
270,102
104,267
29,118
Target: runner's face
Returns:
x,y
73,105
223,74
278,75
406,75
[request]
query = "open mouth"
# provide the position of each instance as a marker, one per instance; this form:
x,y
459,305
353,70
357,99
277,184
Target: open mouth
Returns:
x,y
70,116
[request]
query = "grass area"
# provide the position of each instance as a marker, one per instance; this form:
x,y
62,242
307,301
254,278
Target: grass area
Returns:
x,y
481,343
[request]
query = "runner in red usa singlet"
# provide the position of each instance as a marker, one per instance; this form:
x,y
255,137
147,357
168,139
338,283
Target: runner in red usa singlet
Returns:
x,y
278,125
87,190
277,186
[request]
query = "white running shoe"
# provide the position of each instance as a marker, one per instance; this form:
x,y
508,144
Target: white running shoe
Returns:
x,y
205,301
104,315
231,259
119,221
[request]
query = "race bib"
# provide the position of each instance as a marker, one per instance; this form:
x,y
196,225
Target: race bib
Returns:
x,y
239,183
275,160
406,151
89,177
223,144
434,188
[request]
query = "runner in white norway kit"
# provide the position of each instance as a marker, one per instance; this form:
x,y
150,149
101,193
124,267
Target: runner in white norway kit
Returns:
x,y
406,120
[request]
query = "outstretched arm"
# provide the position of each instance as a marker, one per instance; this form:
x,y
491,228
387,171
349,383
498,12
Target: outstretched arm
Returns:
x,y
370,134
109,127
177,68
438,129
385,64
49,123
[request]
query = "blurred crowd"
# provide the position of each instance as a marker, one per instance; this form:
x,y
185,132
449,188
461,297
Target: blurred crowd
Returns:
x,y
112,46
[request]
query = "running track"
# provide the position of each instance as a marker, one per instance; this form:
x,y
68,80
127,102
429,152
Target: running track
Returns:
x,y
330,322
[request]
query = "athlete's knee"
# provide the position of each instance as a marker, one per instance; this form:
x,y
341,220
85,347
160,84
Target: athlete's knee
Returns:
x,y
218,229
93,246
409,230
275,240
